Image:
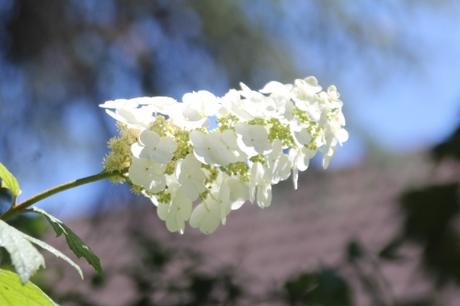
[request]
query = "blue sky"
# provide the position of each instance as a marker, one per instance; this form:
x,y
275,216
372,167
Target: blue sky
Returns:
x,y
415,108
402,108
411,108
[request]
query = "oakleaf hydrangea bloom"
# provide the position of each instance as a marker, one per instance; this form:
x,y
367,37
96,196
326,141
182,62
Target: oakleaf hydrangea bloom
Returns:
x,y
198,172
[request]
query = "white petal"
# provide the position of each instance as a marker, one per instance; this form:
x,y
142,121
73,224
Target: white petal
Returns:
x,y
205,218
273,87
167,146
217,148
136,149
163,105
147,174
149,138
158,184
342,135
264,195
302,137
163,210
253,137
159,149
119,103
239,192
295,177
198,138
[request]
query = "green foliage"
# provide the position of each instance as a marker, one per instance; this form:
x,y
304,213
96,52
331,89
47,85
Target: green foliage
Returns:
x,y
236,38
164,275
430,220
430,223
78,247
32,225
13,293
190,287
55,252
9,181
450,148
24,256
319,288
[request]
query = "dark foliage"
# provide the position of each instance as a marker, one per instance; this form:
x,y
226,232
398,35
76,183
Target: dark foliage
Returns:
x,y
450,148
325,287
163,275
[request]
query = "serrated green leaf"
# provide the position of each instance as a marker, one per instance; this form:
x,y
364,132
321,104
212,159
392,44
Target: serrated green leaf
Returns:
x,y
9,181
13,293
78,247
54,251
24,256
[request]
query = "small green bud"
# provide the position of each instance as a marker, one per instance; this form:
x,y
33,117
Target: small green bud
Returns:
x,y
240,169
227,122
280,132
257,121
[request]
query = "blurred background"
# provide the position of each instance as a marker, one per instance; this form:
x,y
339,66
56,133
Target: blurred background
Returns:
x,y
382,227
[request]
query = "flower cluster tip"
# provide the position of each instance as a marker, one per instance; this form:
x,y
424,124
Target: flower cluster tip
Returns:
x,y
201,158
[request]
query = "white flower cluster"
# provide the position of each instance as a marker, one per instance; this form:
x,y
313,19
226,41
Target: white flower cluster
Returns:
x,y
199,159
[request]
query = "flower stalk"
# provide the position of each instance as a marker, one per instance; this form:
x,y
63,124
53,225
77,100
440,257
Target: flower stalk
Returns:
x,y
20,207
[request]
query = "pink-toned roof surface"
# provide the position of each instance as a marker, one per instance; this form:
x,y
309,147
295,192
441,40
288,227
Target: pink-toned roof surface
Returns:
x,y
302,230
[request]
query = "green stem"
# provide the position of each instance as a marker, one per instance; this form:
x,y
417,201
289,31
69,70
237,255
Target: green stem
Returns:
x,y
56,189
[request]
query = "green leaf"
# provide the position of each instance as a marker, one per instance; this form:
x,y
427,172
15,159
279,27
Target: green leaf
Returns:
x,y
24,256
30,224
78,247
8,181
54,251
13,293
